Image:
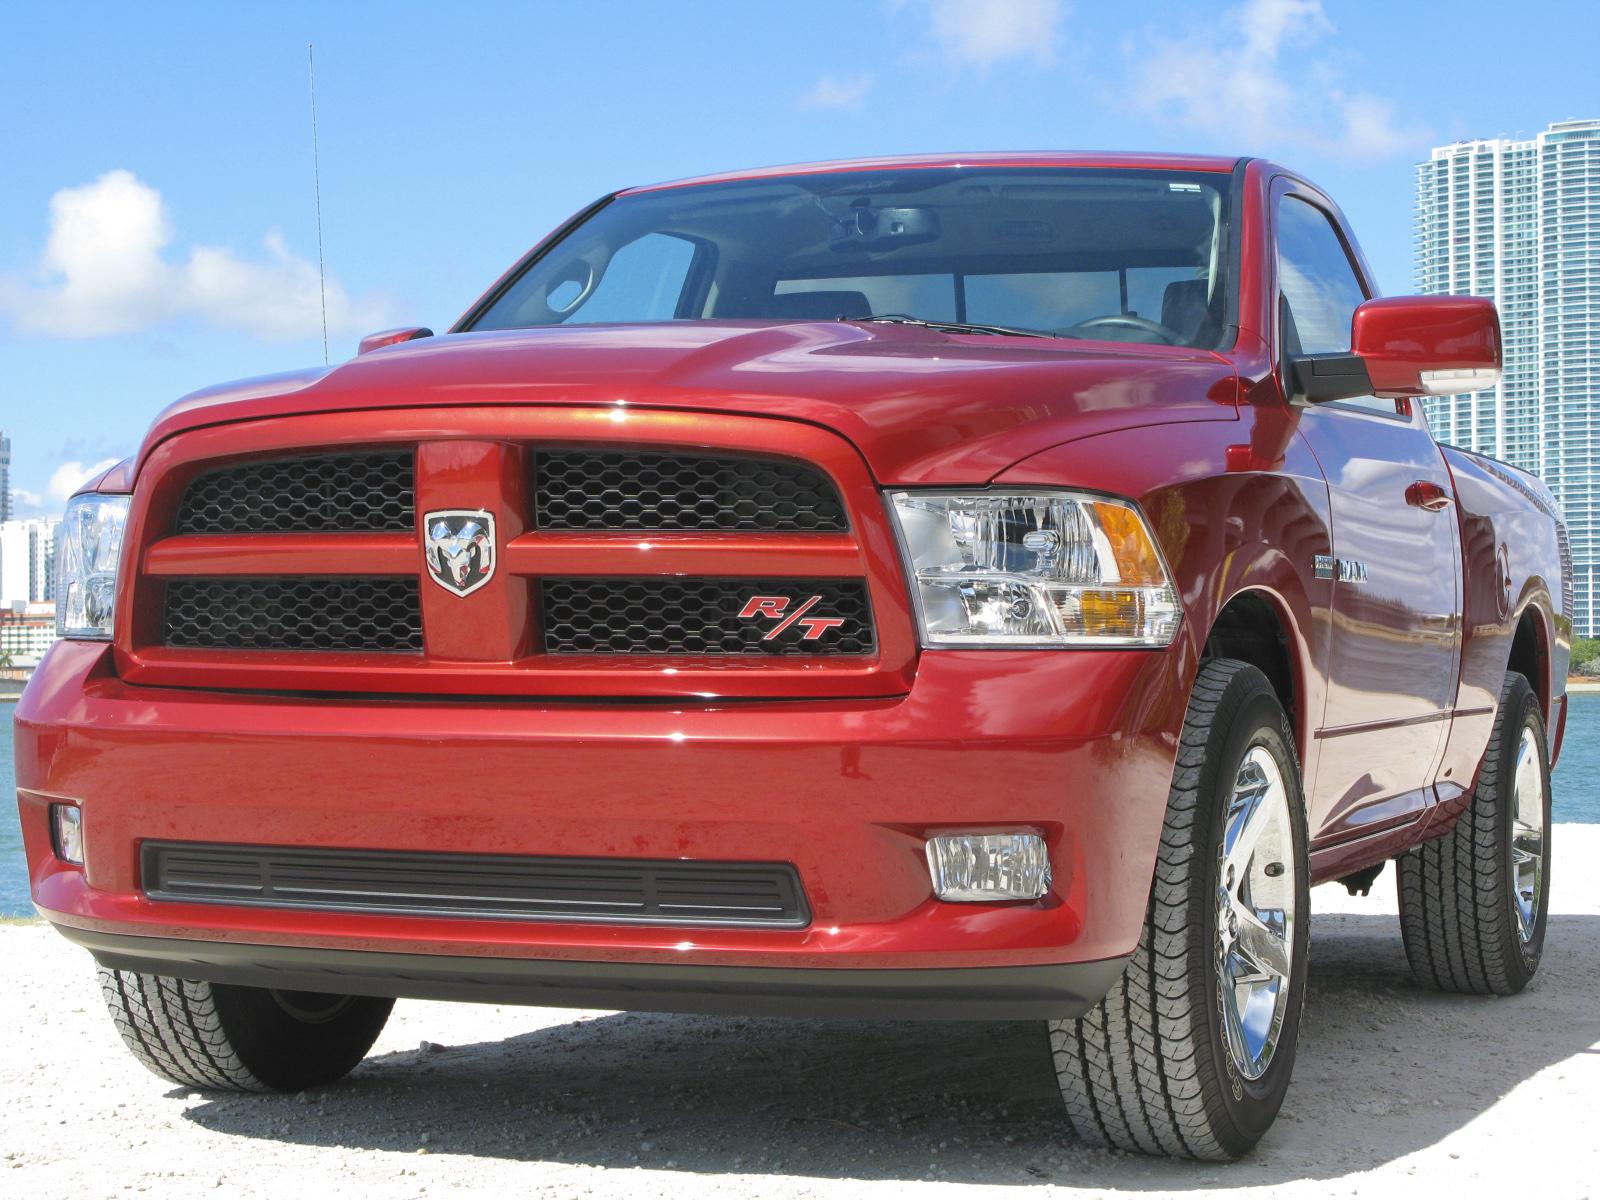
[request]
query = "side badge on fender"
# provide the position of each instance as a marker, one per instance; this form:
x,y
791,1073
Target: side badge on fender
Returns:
x,y
1345,570
459,549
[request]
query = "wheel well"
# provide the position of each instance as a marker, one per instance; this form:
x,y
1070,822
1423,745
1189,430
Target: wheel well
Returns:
x,y
1248,628
1529,657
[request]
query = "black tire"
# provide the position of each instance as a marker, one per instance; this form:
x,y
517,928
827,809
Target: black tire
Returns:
x,y
218,1037
1458,898
1148,1069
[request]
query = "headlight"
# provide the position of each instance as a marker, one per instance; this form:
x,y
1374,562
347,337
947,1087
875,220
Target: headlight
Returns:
x,y
87,550
1034,568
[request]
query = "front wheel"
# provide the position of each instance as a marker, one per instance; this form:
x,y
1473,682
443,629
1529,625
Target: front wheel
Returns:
x,y
217,1036
1191,1052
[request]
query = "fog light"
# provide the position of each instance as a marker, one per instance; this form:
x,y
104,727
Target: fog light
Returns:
x,y
66,825
989,866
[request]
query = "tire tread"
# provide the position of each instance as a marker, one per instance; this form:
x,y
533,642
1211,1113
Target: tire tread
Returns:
x,y
1131,1070
172,1026
1459,933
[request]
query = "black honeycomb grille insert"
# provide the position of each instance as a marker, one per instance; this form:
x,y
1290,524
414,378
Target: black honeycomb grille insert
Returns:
x,y
350,613
701,616
670,892
324,493
602,489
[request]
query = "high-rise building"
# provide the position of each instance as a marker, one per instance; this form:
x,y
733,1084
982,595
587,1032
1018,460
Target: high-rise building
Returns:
x,y
28,561
26,632
1519,222
5,477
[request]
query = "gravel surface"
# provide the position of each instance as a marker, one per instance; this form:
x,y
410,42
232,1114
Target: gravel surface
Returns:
x,y
1398,1092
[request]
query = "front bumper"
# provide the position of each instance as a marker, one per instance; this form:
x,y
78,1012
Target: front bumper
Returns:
x,y
1077,744
1054,992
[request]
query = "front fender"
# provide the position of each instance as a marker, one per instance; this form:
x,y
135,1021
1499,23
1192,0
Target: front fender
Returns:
x,y
1225,533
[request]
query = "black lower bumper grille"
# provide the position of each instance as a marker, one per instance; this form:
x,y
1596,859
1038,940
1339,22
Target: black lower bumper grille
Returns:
x,y
706,616
637,891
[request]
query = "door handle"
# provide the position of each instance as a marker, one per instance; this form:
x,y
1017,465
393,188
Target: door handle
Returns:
x,y
1426,494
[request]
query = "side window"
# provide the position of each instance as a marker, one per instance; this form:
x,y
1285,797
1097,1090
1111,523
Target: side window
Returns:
x,y
643,282
1319,287
1315,278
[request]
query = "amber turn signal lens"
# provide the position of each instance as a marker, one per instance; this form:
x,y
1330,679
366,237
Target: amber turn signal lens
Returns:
x,y
1135,555
1110,614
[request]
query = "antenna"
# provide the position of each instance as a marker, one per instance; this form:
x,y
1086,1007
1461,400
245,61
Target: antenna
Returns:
x,y
316,187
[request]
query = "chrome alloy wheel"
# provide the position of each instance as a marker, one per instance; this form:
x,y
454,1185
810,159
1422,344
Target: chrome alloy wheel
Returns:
x,y
1255,913
1527,833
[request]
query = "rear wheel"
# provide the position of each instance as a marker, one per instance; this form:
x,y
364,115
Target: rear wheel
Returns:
x,y
241,1039
1474,903
1191,1052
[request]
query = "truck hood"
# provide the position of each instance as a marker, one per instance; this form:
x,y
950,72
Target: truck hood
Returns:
x,y
921,406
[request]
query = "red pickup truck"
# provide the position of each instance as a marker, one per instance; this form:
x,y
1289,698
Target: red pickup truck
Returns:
x,y
991,587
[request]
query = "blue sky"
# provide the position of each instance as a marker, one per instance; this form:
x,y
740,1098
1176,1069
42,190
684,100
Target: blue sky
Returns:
x,y
156,223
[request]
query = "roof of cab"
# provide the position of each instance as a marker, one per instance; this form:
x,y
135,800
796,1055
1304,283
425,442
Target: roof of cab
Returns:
x,y
1015,158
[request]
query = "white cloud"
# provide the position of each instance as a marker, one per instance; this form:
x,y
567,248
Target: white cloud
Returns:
x,y
832,92
1268,24
31,501
1233,82
984,33
68,478
1370,130
106,270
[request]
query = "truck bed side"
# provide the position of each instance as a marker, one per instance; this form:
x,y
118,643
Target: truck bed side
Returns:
x,y
1517,587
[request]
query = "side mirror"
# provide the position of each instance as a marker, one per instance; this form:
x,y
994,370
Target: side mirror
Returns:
x,y
1405,346
391,337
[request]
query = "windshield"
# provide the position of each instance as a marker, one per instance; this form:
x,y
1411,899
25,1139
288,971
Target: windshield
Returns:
x,y
1130,255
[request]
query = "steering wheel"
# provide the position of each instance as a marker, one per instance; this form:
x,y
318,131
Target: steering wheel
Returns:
x,y
1160,334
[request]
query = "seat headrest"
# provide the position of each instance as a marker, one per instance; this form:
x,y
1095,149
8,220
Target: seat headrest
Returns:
x,y
822,306
1183,306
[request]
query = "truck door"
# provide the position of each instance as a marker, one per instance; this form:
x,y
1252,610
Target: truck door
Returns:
x,y
1391,670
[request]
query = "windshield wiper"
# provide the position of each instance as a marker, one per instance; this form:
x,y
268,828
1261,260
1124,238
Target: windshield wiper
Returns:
x,y
953,326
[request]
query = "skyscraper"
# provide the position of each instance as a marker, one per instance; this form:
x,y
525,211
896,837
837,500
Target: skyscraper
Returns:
x,y
5,476
28,560
1519,222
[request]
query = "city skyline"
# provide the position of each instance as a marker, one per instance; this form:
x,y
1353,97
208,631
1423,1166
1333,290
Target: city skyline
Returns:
x,y
27,561
1518,222
27,577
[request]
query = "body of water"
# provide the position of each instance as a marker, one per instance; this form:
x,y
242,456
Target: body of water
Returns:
x,y
1577,792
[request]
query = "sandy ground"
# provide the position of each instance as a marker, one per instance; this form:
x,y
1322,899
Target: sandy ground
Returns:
x,y
1398,1092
